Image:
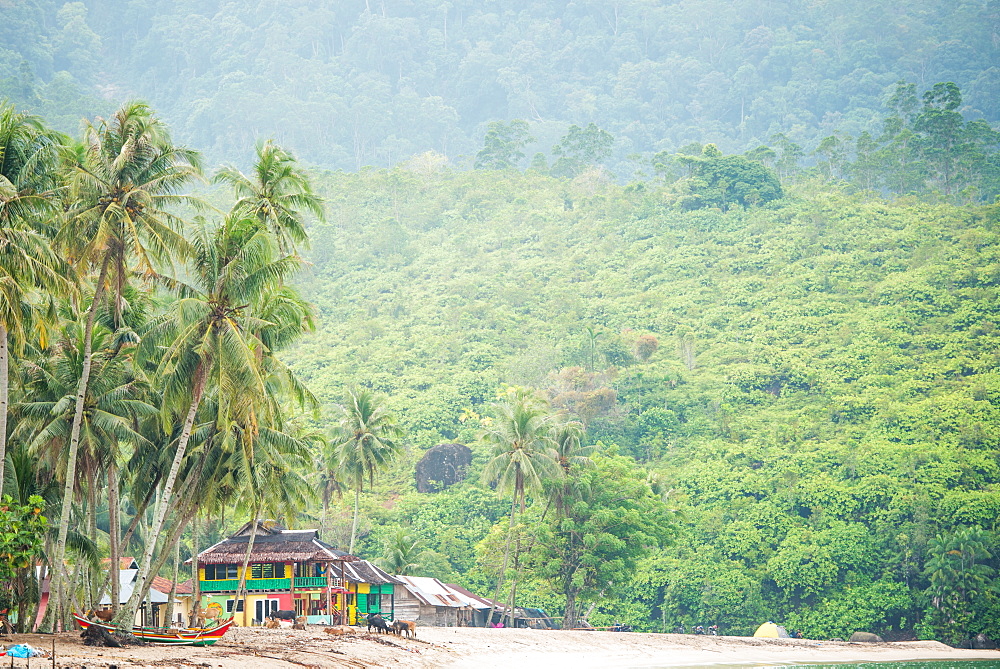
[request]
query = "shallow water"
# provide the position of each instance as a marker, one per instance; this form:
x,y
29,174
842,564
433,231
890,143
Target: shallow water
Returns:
x,y
923,664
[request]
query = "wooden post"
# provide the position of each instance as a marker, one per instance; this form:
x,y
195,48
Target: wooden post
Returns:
x,y
329,593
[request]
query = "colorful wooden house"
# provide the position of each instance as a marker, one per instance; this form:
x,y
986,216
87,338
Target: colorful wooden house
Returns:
x,y
291,570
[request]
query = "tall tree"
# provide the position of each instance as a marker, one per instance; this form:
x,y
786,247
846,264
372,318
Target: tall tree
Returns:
x,y
29,179
205,343
118,221
276,194
502,145
367,439
523,455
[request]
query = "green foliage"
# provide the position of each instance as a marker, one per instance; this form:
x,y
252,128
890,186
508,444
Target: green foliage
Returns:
x,y
502,145
581,149
22,535
724,181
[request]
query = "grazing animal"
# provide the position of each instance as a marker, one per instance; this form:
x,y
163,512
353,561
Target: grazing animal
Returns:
x,y
379,623
272,624
407,626
340,630
105,615
283,615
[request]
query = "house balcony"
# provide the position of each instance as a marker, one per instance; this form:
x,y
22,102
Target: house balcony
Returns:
x,y
230,585
310,581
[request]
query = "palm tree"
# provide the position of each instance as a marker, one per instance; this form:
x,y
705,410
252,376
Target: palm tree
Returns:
x,y
402,553
127,175
366,441
29,161
205,342
523,456
567,438
275,194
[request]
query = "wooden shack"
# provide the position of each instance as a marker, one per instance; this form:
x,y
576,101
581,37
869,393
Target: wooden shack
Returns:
x,y
430,602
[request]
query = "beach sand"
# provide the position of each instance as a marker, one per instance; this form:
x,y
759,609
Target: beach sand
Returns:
x,y
484,649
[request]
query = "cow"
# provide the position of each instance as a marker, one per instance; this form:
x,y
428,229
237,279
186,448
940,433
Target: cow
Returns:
x,y
379,623
282,615
407,626
105,616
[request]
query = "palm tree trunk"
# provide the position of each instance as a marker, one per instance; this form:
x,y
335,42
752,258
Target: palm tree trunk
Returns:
x,y
354,524
241,589
184,515
4,396
195,582
127,614
114,530
54,613
506,556
168,614
124,541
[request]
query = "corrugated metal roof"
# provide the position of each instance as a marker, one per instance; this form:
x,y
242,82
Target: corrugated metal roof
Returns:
x,y
126,580
476,601
363,571
433,592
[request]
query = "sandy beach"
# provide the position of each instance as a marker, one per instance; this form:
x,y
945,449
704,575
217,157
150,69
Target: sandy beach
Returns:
x,y
484,648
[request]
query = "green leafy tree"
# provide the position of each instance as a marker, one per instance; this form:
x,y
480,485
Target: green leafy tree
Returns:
x,y
727,181
22,537
580,149
605,530
503,144
958,573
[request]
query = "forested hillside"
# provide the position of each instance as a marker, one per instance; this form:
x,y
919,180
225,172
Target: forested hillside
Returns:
x,y
814,382
373,82
708,289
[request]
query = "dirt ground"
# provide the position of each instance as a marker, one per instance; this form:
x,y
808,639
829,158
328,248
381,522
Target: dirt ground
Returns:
x,y
481,648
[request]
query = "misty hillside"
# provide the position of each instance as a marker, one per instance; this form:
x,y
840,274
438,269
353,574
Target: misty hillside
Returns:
x,y
373,82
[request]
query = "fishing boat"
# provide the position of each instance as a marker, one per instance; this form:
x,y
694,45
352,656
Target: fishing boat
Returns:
x,y
191,636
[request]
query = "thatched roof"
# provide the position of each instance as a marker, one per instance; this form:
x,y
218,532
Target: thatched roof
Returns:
x,y
273,544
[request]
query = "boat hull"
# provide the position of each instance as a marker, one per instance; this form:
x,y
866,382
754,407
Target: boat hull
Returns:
x,y
169,637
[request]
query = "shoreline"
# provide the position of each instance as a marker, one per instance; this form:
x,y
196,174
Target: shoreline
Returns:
x,y
459,647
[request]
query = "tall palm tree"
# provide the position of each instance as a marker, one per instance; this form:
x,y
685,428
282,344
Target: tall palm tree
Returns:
x,y
275,194
523,456
205,342
366,440
29,180
570,453
127,176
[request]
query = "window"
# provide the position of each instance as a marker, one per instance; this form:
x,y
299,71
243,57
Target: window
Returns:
x,y
229,606
269,570
220,572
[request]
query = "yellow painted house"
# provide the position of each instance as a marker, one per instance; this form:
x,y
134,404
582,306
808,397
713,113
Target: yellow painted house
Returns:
x,y
290,570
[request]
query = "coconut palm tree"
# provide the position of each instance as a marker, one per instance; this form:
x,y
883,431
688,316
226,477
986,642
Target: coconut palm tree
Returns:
x,y
402,553
29,180
523,456
275,194
205,343
126,177
366,441
570,453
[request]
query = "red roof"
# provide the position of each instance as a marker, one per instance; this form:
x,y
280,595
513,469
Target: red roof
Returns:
x,y
123,562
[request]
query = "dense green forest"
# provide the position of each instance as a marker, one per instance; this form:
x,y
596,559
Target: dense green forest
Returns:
x,y
372,82
814,382
709,290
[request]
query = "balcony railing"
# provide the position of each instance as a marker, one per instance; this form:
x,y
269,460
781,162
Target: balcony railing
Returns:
x,y
252,584
310,581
